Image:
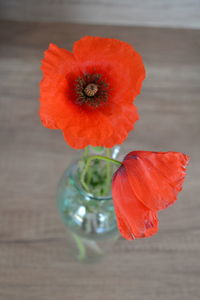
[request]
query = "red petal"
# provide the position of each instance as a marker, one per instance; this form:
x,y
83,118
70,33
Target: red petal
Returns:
x,y
156,178
88,127
134,219
55,107
57,61
113,52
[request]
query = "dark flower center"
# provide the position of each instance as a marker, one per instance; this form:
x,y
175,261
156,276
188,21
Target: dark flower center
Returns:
x,y
91,89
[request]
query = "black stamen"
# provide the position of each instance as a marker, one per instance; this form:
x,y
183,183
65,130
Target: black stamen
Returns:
x,y
91,89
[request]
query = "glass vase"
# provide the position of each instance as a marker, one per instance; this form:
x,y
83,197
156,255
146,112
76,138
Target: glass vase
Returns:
x,y
89,220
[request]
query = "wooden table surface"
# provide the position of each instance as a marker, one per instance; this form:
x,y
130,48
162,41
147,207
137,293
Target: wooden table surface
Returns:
x,y
34,261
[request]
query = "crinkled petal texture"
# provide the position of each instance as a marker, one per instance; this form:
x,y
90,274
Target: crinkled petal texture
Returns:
x,y
120,67
145,183
134,219
120,55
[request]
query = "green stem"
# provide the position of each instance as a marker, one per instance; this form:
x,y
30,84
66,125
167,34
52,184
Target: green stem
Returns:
x,y
81,248
108,171
86,152
82,179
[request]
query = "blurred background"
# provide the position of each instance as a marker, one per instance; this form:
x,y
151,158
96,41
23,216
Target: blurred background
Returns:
x,y
171,13
34,259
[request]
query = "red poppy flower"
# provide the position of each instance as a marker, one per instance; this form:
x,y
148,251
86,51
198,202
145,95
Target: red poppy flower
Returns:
x,y
145,183
89,93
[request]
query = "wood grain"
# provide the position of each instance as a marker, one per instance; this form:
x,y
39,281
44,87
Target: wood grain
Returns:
x,y
162,13
34,261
